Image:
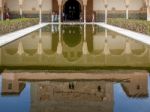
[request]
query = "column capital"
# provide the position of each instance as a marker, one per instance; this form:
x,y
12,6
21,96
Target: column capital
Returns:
x,y
147,2
127,2
1,4
59,2
21,2
40,2
84,2
105,2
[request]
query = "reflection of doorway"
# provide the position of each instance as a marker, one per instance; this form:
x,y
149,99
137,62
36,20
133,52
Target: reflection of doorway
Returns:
x,y
72,9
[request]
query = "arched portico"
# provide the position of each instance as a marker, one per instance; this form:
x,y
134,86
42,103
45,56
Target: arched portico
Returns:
x,y
72,10
102,8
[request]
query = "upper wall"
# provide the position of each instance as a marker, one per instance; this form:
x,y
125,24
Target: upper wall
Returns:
x,y
29,5
32,5
118,4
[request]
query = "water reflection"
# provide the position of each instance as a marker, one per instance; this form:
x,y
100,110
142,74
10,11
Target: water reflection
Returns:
x,y
74,92
76,45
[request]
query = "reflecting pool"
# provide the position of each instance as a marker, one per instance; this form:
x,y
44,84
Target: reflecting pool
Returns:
x,y
74,47
74,68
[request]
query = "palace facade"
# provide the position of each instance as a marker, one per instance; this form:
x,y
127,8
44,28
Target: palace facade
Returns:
x,y
99,10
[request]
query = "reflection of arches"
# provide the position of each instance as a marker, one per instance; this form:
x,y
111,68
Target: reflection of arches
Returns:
x,y
12,48
30,43
116,44
72,42
137,48
71,35
47,41
98,44
72,9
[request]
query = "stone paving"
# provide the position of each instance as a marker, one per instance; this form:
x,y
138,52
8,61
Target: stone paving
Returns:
x,y
5,39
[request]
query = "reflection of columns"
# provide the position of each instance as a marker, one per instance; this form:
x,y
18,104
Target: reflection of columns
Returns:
x,y
20,48
40,10
40,48
127,2
106,46
128,47
147,2
84,5
59,5
0,56
59,47
85,47
1,9
93,28
20,7
106,33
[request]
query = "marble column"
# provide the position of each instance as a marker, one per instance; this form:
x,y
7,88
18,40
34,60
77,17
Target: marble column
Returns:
x,y
1,9
127,11
147,3
127,2
106,9
20,8
40,10
84,13
59,14
84,6
59,5
148,13
106,13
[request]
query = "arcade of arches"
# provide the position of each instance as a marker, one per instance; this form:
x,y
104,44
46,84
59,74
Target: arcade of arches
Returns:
x,y
74,10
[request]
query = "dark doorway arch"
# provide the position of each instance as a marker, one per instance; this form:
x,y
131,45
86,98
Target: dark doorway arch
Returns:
x,y
72,10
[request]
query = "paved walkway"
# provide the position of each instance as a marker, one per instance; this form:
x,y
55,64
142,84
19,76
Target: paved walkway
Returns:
x,y
131,34
5,39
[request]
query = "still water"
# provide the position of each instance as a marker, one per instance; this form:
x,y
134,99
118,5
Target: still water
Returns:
x,y
71,47
74,68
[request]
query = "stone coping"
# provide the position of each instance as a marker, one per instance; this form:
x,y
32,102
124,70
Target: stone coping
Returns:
x,y
7,38
128,33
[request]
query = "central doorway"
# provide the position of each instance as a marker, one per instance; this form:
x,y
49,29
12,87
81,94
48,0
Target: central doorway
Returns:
x,y
72,10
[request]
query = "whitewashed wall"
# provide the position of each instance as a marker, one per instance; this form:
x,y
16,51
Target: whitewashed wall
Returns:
x,y
13,4
29,5
32,5
117,4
